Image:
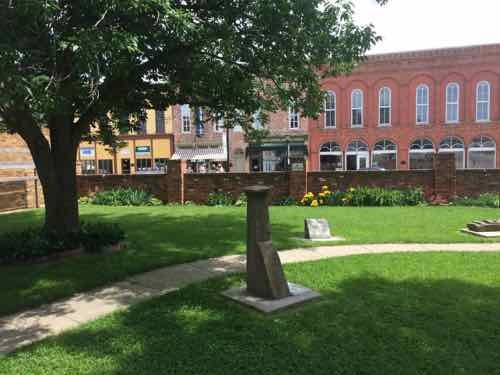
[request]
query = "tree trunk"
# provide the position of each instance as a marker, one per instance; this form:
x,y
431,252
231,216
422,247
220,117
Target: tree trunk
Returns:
x,y
58,178
55,161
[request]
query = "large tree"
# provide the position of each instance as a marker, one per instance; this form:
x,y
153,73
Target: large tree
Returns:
x,y
69,66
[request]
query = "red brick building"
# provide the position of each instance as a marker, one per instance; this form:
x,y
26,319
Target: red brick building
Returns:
x,y
207,146
396,110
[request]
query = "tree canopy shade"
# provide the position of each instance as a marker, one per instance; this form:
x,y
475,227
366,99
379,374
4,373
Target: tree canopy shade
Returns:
x,y
71,65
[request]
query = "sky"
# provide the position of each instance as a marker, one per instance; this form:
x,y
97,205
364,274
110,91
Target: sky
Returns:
x,y
407,25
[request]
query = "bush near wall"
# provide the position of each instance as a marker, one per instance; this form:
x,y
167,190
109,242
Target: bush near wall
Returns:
x,y
484,200
122,197
364,196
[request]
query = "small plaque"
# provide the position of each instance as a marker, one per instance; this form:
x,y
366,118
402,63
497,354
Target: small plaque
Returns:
x,y
317,229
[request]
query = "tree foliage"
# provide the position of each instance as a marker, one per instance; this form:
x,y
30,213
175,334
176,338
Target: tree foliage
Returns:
x,y
92,58
75,65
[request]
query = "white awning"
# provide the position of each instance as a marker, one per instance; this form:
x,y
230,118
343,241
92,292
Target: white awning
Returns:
x,y
198,154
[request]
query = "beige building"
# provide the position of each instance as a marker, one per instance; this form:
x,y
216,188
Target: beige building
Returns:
x,y
145,151
15,157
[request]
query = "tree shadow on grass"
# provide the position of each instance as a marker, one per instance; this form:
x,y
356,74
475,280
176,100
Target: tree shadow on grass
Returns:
x,y
363,325
155,239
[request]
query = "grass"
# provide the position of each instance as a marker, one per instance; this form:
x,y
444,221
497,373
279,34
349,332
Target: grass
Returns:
x,y
160,236
431,313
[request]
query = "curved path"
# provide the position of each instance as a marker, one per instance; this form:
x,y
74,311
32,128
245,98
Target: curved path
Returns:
x,y
33,325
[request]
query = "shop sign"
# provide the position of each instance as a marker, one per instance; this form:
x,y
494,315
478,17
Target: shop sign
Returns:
x,y
87,152
141,150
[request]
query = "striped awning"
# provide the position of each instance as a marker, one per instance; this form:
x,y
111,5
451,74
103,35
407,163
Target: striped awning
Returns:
x,y
198,154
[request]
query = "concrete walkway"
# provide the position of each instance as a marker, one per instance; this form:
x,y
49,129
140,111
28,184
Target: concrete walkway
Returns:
x,y
31,326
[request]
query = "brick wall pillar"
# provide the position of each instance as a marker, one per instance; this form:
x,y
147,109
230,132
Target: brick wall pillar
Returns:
x,y
445,178
297,184
175,186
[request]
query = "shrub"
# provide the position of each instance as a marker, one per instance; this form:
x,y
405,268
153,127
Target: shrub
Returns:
x,y
241,201
95,236
484,200
287,201
35,243
364,196
220,199
124,197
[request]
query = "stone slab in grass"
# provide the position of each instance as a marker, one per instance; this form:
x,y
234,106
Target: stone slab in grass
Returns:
x,y
299,295
482,234
331,239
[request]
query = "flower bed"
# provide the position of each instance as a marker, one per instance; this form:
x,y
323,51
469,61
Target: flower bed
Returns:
x,y
364,196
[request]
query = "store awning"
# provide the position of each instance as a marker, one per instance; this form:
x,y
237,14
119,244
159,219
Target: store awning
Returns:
x,y
199,154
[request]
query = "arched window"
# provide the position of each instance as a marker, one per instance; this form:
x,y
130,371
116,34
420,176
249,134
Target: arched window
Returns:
x,y
357,156
357,108
483,92
384,103
186,118
482,153
384,155
330,157
422,154
422,104
452,103
456,146
357,146
330,110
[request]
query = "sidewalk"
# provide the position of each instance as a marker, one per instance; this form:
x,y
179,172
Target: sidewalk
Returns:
x,y
33,325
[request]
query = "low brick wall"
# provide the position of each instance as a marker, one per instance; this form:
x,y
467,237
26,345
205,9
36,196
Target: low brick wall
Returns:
x,y
383,179
472,182
197,187
17,194
155,184
440,184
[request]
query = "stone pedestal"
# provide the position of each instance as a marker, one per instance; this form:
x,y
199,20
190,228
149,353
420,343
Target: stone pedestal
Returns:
x,y
265,277
267,289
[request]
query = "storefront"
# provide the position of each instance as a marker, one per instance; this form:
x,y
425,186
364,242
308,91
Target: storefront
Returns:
x,y
202,159
278,155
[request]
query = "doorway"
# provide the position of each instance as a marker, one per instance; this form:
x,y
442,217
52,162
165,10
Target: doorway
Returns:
x,y
125,166
356,162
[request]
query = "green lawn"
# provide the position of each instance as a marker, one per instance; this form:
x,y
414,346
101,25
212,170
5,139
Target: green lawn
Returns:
x,y
160,236
431,313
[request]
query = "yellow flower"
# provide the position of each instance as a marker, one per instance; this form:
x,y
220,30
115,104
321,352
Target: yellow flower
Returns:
x,y
314,203
324,187
352,189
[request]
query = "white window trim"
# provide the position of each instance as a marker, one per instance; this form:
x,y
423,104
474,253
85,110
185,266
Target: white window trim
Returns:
x,y
380,124
385,152
488,119
447,120
290,114
417,105
334,110
332,153
183,130
481,149
454,151
358,154
360,108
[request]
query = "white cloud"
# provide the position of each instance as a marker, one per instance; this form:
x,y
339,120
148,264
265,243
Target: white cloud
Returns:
x,y
422,24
